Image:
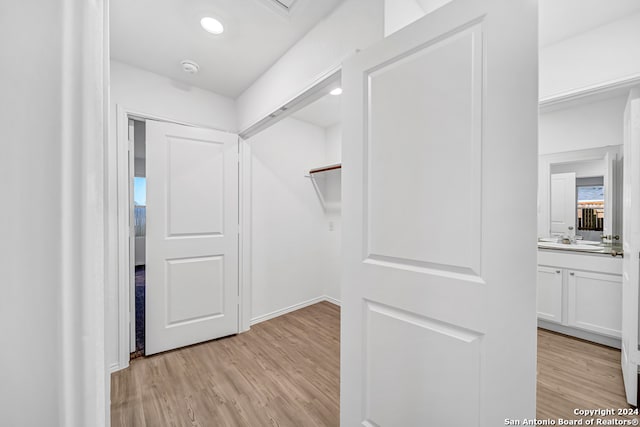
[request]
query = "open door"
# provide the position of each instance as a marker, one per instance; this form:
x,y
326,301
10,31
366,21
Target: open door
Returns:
x,y
439,213
631,246
192,235
563,203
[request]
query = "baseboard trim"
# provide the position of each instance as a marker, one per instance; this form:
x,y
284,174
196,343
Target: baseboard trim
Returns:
x,y
578,333
294,307
332,300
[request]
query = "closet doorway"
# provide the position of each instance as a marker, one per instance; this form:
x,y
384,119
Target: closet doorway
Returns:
x,y
183,244
291,191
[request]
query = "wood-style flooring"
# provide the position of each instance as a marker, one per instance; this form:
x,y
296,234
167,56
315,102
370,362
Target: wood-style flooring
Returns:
x,y
285,372
577,374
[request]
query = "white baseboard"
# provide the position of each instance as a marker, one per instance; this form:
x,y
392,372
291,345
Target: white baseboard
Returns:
x,y
578,333
332,300
114,367
293,307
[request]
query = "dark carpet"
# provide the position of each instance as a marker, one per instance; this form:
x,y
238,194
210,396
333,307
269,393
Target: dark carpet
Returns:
x,y
140,293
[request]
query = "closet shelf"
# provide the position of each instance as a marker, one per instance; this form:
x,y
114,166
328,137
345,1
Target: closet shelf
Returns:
x,y
325,168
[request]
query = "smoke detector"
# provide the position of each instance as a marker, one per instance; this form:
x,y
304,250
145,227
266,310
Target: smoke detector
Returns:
x,y
190,67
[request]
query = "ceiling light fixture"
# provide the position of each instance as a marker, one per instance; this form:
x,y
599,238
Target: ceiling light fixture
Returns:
x,y
337,91
212,25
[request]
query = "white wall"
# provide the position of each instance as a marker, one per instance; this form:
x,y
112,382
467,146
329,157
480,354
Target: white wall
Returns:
x,y
399,14
355,24
578,127
333,141
590,125
31,172
290,235
51,231
602,55
584,169
151,93
145,92
333,196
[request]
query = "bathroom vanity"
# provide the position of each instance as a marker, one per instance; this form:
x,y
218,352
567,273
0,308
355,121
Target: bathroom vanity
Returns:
x,y
579,285
580,294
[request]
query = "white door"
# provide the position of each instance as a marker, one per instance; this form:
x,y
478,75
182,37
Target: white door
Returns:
x,y
631,246
192,236
439,203
563,203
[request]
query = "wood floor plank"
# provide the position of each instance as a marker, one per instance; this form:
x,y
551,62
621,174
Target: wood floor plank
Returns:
x,y
577,374
286,372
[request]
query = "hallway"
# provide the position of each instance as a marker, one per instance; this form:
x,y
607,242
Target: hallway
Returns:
x,y
285,372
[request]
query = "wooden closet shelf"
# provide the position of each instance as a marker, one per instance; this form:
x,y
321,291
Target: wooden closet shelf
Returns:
x,y
326,168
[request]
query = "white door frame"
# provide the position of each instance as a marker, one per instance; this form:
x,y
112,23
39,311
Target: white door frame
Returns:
x,y
121,176
120,179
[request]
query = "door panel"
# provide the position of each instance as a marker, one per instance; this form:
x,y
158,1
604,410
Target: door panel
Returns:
x,y
428,131
440,354
192,235
563,203
439,214
631,246
195,187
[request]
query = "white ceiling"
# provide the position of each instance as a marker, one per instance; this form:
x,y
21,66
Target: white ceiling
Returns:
x,y
324,112
156,35
561,19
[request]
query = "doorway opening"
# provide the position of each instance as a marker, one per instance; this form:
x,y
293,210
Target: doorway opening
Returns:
x,y
138,203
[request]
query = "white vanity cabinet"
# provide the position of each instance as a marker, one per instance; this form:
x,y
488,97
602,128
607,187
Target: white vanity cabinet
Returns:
x,y
595,302
580,295
549,295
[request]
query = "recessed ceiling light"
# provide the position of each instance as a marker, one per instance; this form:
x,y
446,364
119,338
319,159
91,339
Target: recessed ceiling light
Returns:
x,y
336,91
212,25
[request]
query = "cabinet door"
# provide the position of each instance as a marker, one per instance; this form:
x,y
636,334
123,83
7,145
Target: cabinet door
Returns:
x,y
595,302
549,299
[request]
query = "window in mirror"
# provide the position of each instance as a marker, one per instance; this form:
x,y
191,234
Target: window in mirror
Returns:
x,y
590,207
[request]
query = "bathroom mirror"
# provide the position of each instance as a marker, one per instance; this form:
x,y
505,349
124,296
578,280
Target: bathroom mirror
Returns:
x,y
580,194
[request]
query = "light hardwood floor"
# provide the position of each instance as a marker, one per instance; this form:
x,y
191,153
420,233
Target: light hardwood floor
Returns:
x,y
577,374
285,372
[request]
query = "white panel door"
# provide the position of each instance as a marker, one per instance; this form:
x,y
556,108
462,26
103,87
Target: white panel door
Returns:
x,y
563,203
594,302
192,236
631,246
439,212
549,294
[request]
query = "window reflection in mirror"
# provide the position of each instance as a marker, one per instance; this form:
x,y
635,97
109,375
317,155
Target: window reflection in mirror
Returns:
x,y
590,207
